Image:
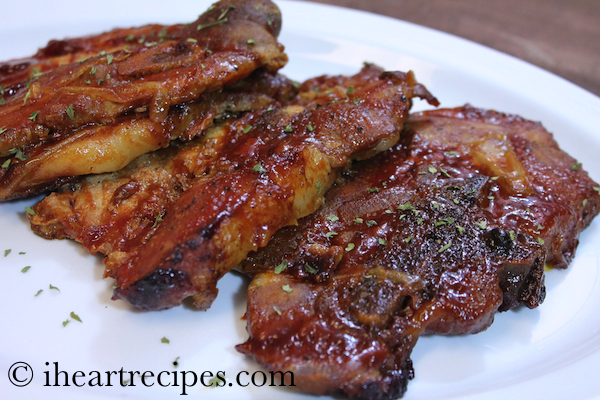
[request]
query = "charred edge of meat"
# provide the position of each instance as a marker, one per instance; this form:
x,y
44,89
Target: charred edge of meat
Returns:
x,y
155,291
392,386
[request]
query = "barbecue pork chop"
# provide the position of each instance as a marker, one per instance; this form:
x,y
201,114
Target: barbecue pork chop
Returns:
x,y
226,44
434,236
275,168
107,148
15,74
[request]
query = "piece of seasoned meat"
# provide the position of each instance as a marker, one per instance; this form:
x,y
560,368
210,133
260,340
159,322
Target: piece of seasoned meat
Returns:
x,y
434,236
226,44
176,236
15,74
107,148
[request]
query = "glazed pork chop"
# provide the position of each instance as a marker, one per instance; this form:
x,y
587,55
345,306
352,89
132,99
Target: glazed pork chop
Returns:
x,y
433,236
107,148
101,95
275,168
15,74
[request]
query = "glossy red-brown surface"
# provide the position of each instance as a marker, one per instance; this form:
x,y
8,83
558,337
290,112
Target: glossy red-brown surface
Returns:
x,y
107,148
15,74
225,44
434,236
273,167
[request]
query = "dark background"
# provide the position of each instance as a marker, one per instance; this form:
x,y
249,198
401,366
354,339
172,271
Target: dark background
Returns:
x,y
561,36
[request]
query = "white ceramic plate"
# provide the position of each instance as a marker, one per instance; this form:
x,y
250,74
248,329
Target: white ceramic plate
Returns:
x,y
552,352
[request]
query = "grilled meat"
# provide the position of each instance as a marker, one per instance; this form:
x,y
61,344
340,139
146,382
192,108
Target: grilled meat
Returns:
x,y
15,74
107,148
274,173
227,43
434,236
111,213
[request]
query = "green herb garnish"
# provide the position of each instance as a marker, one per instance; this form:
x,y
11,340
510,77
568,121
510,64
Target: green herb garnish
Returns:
x,y
287,288
350,247
309,269
214,382
159,218
333,218
165,340
25,269
481,224
281,267
445,247
221,21
30,211
75,317
259,168
70,111
26,96
17,153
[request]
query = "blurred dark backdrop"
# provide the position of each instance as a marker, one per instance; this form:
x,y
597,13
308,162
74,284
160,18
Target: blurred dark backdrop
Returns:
x,y
561,36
